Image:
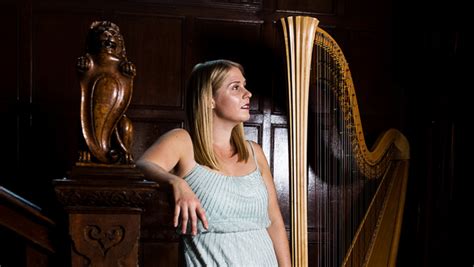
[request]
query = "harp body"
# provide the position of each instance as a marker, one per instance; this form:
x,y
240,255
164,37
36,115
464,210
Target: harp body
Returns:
x,y
359,192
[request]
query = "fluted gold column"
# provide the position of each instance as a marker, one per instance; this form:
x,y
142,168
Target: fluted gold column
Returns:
x,y
299,33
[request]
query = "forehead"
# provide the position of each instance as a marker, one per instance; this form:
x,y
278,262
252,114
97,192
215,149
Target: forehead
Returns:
x,y
234,74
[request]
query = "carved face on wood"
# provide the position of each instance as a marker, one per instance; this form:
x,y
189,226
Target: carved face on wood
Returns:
x,y
105,37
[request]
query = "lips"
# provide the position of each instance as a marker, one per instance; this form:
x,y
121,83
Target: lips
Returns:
x,y
246,106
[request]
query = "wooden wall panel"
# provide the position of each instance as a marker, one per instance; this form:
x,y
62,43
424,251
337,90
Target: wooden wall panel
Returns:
x,y
327,7
9,92
280,166
253,132
155,45
160,254
58,39
9,20
208,4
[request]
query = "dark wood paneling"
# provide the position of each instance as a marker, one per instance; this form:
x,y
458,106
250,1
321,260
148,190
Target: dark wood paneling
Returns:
x,y
435,72
9,94
279,163
319,7
9,20
160,254
207,4
58,39
155,45
253,132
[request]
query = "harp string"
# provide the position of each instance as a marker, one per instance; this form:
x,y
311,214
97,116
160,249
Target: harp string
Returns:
x,y
338,209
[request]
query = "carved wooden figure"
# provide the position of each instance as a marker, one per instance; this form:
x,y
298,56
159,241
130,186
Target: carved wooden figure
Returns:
x,y
106,79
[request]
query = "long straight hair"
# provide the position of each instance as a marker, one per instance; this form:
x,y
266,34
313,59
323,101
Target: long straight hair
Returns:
x,y
203,83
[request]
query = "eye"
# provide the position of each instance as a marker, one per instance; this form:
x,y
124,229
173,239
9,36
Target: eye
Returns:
x,y
235,87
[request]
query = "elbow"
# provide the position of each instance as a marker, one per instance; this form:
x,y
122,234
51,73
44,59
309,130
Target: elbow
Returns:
x,y
143,166
277,222
148,168
140,163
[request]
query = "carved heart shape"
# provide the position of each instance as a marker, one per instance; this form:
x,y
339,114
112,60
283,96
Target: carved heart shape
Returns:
x,y
104,239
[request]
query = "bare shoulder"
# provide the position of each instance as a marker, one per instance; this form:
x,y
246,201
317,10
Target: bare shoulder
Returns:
x,y
177,135
173,148
260,155
176,141
263,164
258,150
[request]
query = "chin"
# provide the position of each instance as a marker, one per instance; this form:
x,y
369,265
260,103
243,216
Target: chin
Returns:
x,y
244,117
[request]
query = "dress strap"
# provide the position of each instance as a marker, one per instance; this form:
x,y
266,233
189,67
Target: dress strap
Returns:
x,y
253,154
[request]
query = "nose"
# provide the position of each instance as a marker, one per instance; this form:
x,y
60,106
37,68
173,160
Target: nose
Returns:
x,y
247,93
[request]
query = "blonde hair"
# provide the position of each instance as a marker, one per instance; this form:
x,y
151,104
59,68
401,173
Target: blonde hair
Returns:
x,y
204,81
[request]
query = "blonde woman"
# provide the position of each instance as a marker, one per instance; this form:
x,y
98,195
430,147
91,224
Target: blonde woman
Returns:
x,y
225,200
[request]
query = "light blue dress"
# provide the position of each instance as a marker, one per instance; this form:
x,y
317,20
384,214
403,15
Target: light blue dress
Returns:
x,y
237,211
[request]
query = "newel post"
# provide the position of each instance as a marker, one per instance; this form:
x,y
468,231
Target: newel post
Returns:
x,y
104,209
104,194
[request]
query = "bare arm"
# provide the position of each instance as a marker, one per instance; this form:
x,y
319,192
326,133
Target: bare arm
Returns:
x,y
170,151
276,230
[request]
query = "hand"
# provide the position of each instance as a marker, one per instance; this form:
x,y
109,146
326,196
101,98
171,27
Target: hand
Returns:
x,y
83,63
188,206
128,68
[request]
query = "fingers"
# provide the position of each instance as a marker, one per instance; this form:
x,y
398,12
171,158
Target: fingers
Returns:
x,y
184,220
202,216
177,209
189,214
187,208
192,214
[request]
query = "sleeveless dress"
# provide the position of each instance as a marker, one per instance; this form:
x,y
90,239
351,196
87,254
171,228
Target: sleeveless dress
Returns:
x,y
237,212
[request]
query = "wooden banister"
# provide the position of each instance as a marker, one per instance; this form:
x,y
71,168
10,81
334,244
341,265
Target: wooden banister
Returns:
x,y
28,224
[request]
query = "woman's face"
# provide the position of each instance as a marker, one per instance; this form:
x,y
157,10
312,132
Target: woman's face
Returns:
x,y
232,100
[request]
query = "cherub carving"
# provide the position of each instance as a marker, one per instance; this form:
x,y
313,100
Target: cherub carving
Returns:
x,y
106,79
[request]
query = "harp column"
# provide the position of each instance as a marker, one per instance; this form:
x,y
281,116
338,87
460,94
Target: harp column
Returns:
x,y
299,33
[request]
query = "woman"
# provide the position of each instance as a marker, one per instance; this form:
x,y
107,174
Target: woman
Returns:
x,y
225,199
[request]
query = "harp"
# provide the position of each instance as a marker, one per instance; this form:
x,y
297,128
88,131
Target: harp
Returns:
x,y
360,192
